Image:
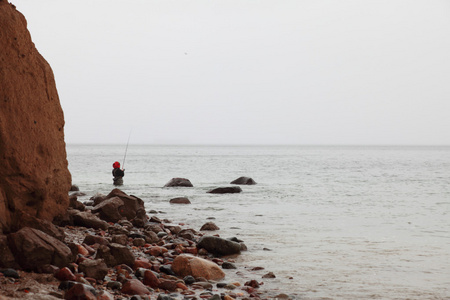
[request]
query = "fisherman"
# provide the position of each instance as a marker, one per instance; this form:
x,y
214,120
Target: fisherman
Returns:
x,y
118,174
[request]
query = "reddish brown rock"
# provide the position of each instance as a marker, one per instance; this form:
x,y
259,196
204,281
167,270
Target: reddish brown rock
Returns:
x,y
65,274
132,208
156,251
35,178
184,265
94,268
142,263
26,220
151,279
168,285
80,292
86,219
95,239
116,254
33,249
82,250
109,209
105,295
134,287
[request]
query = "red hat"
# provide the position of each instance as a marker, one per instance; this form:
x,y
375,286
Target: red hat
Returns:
x,y
116,165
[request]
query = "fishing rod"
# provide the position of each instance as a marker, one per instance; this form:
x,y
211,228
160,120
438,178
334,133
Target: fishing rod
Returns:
x,y
123,164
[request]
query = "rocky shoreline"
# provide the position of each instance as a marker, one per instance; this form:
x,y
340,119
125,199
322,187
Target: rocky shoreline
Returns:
x,y
111,248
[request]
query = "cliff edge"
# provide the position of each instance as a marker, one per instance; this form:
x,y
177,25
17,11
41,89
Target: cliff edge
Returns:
x,y
34,175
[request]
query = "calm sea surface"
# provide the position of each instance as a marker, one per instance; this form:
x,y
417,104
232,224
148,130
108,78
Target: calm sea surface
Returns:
x,y
341,222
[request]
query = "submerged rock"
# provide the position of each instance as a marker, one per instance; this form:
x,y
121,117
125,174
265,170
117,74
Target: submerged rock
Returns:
x,y
181,182
226,190
243,180
180,200
210,226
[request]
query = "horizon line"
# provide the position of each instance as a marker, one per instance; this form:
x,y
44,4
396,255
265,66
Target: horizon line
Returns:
x,y
260,145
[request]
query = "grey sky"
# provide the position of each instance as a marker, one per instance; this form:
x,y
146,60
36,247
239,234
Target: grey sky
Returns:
x,y
248,72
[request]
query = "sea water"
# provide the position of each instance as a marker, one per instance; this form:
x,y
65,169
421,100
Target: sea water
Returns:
x,y
330,222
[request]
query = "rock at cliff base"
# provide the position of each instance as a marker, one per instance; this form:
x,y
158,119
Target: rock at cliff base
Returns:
x,y
87,219
109,209
132,209
7,259
33,249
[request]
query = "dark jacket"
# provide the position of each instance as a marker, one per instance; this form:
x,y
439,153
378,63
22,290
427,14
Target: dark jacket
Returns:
x,y
118,172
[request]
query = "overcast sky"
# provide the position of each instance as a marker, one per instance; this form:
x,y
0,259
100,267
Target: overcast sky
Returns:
x,y
248,71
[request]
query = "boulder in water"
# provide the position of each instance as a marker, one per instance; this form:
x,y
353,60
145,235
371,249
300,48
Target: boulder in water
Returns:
x,y
180,182
244,180
218,246
210,226
226,190
180,200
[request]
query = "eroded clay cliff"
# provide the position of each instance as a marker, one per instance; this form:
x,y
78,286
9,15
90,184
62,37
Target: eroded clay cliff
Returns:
x,y
34,177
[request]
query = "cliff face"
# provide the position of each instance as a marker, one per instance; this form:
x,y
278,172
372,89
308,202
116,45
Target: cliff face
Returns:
x,y
34,177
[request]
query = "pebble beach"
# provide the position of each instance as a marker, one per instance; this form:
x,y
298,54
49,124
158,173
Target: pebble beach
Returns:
x,y
148,261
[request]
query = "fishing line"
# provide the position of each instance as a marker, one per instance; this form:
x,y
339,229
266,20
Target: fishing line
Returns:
x,y
123,164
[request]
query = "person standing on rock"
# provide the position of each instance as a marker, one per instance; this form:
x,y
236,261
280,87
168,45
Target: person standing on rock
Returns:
x,y
118,174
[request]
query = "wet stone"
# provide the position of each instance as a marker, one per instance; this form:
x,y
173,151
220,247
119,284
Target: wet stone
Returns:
x,y
167,269
114,285
164,297
10,273
228,265
66,285
269,275
65,274
162,234
121,239
189,280
139,242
